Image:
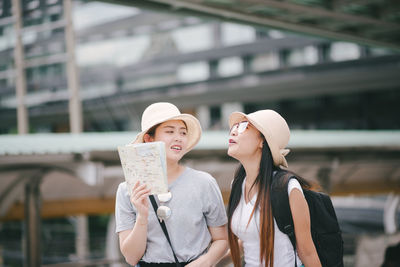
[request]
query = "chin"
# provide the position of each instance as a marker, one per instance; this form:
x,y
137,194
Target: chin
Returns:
x,y
231,153
174,157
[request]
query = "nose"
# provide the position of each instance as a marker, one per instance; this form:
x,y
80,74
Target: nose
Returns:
x,y
234,132
178,137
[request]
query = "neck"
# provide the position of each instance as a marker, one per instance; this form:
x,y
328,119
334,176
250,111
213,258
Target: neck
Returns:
x,y
173,171
252,167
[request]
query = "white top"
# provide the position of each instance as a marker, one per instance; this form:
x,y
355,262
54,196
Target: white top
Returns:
x,y
249,235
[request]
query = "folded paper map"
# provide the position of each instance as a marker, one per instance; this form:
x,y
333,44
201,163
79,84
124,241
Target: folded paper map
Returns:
x,y
145,163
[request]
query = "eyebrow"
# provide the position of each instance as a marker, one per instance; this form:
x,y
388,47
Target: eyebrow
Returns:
x,y
173,127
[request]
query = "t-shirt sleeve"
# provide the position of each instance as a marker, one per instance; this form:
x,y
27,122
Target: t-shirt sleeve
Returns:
x,y
125,213
293,183
214,208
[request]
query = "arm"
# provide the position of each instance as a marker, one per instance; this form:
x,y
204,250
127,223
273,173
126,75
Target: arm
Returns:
x,y
302,227
218,248
133,242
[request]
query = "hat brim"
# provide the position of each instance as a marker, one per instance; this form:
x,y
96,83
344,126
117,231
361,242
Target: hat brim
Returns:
x,y
236,117
193,130
277,157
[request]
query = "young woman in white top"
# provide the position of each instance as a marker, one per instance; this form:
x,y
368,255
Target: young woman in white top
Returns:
x,y
197,220
258,141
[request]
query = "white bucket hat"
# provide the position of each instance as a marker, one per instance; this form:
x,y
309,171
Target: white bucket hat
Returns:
x,y
274,128
161,112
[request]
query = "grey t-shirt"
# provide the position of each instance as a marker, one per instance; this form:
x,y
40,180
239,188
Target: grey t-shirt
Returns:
x,y
196,203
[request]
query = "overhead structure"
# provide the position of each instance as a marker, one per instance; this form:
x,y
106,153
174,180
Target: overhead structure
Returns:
x,y
373,22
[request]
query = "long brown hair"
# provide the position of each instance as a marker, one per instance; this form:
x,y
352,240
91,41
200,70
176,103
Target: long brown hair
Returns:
x,y
263,181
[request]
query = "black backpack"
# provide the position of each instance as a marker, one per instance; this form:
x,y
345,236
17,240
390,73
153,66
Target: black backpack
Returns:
x,y
325,228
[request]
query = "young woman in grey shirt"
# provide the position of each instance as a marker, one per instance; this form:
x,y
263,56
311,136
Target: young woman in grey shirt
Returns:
x,y
196,214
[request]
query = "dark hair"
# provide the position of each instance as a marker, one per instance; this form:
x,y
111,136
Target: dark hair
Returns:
x,y
263,181
152,130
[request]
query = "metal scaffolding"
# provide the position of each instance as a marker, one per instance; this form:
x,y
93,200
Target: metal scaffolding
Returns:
x,y
32,207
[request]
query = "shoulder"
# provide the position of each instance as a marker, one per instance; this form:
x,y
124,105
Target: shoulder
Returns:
x,y
122,186
122,190
294,184
122,197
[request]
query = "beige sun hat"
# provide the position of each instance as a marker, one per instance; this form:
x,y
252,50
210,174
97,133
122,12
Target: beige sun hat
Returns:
x,y
274,128
161,112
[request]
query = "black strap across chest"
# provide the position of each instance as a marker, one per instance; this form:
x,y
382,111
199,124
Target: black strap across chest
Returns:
x,y
164,228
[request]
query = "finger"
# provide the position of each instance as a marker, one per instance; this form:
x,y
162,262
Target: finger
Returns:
x,y
136,185
143,198
139,188
139,191
142,192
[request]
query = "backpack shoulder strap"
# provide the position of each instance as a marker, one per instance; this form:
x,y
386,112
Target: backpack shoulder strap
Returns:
x,y
281,207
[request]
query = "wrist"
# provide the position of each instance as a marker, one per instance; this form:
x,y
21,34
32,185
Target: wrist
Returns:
x,y
141,220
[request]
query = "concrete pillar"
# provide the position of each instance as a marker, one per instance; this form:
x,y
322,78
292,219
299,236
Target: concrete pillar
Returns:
x,y
32,226
75,105
213,66
82,237
323,53
247,60
112,244
389,214
203,115
227,109
217,34
19,58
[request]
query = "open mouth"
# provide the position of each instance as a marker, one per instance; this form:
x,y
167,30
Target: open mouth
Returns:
x,y
176,148
231,141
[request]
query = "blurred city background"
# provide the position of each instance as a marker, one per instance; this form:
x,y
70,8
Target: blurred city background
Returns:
x,y
75,77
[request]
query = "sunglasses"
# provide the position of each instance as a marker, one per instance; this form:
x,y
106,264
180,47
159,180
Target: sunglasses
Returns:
x,y
164,212
240,127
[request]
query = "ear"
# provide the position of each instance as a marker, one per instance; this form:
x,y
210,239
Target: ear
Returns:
x,y
261,143
148,138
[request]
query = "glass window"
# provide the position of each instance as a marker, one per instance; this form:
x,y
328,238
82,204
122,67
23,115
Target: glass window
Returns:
x,y
302,56
215,117
265,62
234,34
230,66
341,51
193,72
195,38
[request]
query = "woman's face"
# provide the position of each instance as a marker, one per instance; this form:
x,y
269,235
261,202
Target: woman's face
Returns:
x,y
174,134
245,141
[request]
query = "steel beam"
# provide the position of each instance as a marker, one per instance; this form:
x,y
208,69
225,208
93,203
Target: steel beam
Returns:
x,y
228,13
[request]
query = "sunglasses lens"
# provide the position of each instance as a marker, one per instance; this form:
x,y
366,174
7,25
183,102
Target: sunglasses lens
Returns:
x,y
242,126
239,127
163,212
